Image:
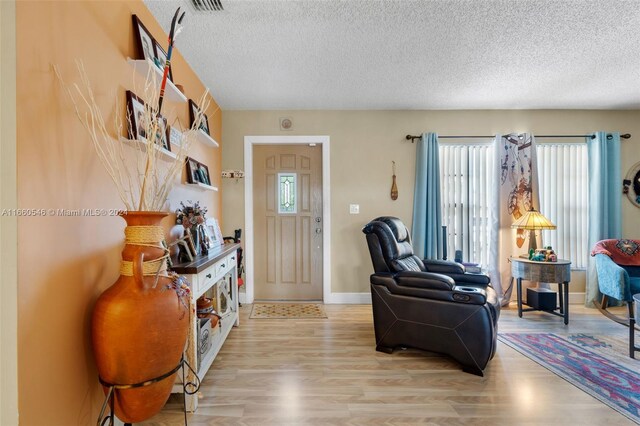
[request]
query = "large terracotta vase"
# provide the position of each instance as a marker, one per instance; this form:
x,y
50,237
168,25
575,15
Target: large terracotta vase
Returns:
x,y
139,327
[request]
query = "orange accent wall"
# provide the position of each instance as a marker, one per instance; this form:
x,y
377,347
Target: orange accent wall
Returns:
x,y
64,263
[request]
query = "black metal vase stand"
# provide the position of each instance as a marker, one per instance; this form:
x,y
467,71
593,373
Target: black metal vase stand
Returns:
x,y
188,388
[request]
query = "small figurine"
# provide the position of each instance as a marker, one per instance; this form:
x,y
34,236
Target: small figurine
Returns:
x,y
531,253
538,257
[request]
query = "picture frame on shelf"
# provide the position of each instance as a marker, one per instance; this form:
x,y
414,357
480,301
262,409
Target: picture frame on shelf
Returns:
x,y
174,135
136,117
197,172
145,43
160,58
203,173
188,236
213,232
184,253
193,112
161,135
192,167
217,231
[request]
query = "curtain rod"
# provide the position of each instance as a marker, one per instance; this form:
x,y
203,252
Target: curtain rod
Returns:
x,y
412,138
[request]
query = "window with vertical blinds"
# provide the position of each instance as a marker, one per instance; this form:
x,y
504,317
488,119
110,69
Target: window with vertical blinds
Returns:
x,y
465,172
562,181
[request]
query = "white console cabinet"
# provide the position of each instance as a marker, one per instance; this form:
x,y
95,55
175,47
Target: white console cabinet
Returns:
x,y
216,272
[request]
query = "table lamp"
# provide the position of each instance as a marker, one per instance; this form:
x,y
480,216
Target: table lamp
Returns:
x,y
532,221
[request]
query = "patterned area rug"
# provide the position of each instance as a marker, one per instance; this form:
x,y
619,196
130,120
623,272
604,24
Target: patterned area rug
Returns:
x,y
598,365
287,310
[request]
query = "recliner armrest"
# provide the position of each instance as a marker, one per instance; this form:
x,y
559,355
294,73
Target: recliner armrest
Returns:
x,y
456,271
450,294
477,279
443,266
424,280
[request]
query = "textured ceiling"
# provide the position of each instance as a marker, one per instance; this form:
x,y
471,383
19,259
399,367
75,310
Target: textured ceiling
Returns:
x,y
438,54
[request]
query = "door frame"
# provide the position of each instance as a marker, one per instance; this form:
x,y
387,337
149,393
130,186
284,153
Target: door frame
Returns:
x,y
249,142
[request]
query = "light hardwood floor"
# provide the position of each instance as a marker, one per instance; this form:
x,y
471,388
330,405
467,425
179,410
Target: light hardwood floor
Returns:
x,y
327,372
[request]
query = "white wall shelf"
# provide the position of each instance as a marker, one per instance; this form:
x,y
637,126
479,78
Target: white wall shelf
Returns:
x,y
204,138
142,66
203,186
141,145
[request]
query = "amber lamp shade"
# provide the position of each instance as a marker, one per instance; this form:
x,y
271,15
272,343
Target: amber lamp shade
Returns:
x,y
532,221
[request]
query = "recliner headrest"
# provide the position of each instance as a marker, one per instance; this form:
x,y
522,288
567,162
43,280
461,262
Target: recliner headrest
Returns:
x,y
389,239
396,226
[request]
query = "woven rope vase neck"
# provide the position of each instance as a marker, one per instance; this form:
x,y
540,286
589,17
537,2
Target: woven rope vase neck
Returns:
x,y
139,327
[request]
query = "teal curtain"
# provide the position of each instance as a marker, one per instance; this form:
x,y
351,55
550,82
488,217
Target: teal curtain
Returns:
x,y
427,213
605,209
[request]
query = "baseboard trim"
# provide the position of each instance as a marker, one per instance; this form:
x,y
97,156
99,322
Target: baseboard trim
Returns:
x,y
365,298
333,299
348,299
576,298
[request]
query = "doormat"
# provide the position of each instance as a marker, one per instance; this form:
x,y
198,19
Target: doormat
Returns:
x,y
287,310
598,365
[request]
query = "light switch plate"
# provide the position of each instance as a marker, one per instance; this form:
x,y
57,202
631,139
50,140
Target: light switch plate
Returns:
x,y
354,208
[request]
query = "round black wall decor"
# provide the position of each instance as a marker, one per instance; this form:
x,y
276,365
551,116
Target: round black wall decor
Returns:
x,y
631,184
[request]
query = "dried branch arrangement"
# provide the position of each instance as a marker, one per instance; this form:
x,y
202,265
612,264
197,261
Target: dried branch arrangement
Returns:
x,y
142,178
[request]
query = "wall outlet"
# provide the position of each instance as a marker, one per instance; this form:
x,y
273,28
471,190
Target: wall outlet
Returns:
x,y
354,208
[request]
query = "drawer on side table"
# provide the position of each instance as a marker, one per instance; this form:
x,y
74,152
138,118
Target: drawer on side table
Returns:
x,y
230,262
232,259
207,278
222,266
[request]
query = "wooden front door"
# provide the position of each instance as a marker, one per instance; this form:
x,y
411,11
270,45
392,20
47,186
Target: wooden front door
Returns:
x,y
287,217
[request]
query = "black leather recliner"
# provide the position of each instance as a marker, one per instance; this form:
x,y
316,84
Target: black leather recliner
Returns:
x,y
432,305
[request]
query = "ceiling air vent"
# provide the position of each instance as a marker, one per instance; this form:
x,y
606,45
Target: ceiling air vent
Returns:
x,y
207,5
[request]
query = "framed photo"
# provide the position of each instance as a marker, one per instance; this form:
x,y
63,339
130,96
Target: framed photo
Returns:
x,y
161,58
213,232
193,112
197,172
185,251
161,134
189,238
137,117
217,231
174,135
192,167
203,174
144,41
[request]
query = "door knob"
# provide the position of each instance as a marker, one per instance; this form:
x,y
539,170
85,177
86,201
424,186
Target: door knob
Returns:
x,y
318,230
